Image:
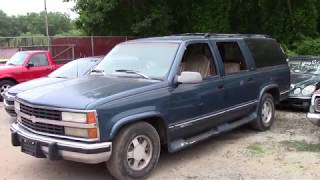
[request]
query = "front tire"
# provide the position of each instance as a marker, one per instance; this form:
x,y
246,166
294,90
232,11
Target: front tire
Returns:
x,y
135,153
266,112
4,86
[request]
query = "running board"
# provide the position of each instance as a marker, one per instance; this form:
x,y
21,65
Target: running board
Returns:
x,y
183,143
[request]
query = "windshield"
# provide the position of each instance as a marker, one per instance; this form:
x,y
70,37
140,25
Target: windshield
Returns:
x,y
152,60
17,59
74,69
305,67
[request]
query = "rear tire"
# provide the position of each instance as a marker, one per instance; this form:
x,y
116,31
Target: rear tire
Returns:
x,y
135,153
266,112
4,86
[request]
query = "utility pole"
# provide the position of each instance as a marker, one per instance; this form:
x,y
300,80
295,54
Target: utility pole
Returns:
x,y
46,23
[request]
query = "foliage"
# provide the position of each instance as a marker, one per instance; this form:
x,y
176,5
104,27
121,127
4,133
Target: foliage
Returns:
x,y
33,23
256,150
286,20
308,46
302,146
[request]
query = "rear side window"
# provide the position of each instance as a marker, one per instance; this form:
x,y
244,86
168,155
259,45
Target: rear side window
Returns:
x,y
232,57
266,52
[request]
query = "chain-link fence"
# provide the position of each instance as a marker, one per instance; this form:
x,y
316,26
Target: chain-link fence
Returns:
x,y
63,49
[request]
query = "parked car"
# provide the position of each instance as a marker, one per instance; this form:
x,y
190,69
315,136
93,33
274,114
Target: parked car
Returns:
x,y
24,66
174,91
73,69
305,79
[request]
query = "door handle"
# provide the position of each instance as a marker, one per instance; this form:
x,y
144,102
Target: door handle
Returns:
x,y
250,79
221,86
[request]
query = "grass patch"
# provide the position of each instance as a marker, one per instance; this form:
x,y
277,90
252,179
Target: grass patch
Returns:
x,y
302,146
256,149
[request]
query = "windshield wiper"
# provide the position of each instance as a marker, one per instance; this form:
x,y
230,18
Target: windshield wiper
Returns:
x,y
133,72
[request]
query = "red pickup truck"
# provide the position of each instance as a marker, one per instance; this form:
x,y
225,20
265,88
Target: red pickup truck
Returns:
x,y
24,66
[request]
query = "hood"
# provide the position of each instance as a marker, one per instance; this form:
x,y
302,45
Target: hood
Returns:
x,y
302,80
33,84
79,93
9,68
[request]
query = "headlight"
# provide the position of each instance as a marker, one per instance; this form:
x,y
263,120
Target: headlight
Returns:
x,y
74,117
297,91
83,118
17,105
308,90
77,132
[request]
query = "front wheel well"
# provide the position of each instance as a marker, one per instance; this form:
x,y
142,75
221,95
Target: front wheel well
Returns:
x,y
9,79
157,122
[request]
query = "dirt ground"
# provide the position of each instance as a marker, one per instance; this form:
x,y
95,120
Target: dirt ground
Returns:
x,y
290,150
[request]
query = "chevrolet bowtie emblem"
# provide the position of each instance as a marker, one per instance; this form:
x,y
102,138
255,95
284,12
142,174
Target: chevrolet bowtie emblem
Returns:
x,y
33,119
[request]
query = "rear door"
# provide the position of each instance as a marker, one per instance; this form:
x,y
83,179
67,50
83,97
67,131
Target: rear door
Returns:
x,y
39,65
240,83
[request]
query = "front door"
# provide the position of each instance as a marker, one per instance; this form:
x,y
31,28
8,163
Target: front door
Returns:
x,y
195,105
39,65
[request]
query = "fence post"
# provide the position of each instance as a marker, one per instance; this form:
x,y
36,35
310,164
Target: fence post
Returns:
x,y
92,46
72,52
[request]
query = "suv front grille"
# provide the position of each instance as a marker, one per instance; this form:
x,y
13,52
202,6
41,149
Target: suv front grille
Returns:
x,y
40,113
317,104
42,127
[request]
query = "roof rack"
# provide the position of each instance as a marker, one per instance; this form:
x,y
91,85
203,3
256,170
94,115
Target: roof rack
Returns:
x,y
206,35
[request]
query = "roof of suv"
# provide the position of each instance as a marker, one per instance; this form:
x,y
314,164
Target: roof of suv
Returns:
x,y
191,36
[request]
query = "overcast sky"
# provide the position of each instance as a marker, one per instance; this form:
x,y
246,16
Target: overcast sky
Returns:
x,y
20,7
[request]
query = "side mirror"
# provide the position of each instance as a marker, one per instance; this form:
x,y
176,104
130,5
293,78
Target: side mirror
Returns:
x,y
188,77
30,65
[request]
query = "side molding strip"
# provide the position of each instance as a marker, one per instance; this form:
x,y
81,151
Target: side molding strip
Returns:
x,y
187,123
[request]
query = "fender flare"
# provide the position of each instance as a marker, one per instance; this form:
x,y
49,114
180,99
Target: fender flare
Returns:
x,y
264,89
130,119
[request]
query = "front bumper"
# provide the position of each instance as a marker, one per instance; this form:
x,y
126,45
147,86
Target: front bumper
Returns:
x,y
298,102
56,149
314,118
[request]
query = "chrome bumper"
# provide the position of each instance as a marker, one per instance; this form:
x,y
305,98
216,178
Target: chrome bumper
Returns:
x,y
314,118
54,148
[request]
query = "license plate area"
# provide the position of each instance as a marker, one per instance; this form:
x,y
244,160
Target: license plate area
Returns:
x,y
31,147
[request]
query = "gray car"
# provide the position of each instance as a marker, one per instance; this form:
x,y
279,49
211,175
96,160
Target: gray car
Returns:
x,y
71,70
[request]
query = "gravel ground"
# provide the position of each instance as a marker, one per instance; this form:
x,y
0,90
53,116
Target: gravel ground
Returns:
x,y
240,154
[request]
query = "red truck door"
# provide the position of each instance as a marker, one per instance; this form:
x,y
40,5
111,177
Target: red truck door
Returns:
x,y
39,65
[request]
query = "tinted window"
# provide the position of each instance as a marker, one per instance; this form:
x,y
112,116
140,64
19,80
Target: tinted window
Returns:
x,y
198,58
73,69
39,60
266,52
232,57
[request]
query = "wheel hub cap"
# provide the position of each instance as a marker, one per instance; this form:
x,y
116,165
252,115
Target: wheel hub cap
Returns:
x,y
266,113
139,152
4,88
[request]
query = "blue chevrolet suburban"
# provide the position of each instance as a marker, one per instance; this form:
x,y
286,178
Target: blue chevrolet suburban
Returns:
x,y
171,91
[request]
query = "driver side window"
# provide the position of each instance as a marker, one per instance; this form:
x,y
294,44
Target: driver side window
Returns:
x,y
198,58
39,60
